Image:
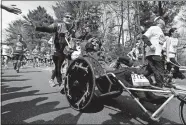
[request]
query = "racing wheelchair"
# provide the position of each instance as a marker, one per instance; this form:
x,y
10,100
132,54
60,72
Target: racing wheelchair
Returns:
x,y
85,74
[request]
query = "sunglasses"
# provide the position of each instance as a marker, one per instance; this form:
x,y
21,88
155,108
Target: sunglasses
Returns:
x,y
69,17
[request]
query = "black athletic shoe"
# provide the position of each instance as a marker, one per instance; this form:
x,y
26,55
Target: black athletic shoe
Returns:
x,y
62,91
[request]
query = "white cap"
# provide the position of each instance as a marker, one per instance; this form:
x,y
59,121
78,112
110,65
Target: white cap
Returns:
x,y
155,19
158,20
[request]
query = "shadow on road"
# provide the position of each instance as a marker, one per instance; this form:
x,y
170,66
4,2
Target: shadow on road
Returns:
x,y
23,105
11,75
129,110
7,96
16,113
7,89
94,106
9,80
28,71
63,119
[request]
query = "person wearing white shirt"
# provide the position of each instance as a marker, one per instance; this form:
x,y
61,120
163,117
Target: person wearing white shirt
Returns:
x,y
7,52
154,38
170,47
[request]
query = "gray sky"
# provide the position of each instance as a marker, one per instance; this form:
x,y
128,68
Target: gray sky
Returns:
x,y
25,6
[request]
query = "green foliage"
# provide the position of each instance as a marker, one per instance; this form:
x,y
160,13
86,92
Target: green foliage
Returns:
x,y
86,13
15,28
108,20
39,17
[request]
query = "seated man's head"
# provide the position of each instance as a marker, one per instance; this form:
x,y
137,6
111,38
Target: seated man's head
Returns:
x,y
68,18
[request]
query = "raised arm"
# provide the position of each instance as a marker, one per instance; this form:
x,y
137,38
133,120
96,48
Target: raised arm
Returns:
x,y
146,40
49,29
11,9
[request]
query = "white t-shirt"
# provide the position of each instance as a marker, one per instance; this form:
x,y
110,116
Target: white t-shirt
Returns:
x,y
173,42
155,35
6,50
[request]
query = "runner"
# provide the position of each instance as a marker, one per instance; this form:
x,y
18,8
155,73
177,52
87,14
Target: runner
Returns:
x,y
42,54
20,49
27,55
170,47
47,59
131,58
7,52
135,55
35,54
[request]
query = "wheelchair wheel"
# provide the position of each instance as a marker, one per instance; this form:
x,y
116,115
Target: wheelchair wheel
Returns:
x,y
182,110
79,84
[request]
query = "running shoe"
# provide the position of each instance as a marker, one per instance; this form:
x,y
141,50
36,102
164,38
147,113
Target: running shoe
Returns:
x,y
52,83
6,67
62,89
17,70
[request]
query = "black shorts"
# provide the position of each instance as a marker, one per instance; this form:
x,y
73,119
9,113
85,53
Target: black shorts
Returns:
x,y
18,57
5,56
36,57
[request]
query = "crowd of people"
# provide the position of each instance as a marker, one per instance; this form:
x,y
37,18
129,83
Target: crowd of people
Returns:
x,y
63,50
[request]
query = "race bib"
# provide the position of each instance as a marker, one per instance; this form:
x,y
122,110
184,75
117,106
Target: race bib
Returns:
x,y
139,80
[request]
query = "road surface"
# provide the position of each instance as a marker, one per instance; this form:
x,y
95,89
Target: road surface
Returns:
x,y
27,98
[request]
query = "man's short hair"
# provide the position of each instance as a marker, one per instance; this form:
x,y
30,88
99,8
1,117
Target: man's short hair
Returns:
x,y
171,31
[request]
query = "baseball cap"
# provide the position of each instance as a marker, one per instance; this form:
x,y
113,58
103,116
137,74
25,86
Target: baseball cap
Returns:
x,y
69,14
158,20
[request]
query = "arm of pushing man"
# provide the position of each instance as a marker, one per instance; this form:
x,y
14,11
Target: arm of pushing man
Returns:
x,y
146,41
49,29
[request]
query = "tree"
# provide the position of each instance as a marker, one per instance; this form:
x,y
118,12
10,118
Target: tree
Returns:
x,y
86,13
15,28
39,17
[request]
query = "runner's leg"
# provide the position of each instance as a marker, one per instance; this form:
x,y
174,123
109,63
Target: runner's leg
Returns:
x,y
58,72
158,70
6,62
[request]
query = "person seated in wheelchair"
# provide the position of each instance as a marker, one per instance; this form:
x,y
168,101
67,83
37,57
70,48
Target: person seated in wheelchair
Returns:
x,y
92,47
169,53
